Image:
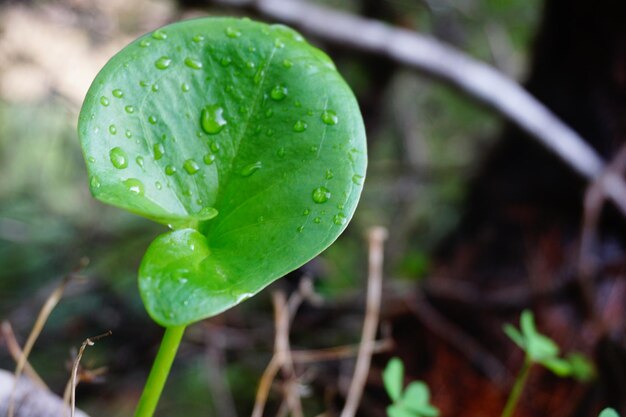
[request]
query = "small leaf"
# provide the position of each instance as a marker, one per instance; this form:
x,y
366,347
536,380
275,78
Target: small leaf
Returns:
x,y
429,411
559,367
203,126
398,411
582,368
416,396
393,378
540,347
514,334
609,412
527,323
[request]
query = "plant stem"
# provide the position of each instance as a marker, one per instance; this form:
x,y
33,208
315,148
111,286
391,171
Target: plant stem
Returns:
x,y
517,389
160,370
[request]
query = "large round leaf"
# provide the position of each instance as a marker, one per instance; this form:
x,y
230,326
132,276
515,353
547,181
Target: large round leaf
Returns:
x,y
241,137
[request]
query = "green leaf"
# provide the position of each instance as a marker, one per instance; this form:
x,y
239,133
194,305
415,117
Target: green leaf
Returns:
x,y
515,336
608,412
240,136
416,398
393,378
398,411
559,367
582,368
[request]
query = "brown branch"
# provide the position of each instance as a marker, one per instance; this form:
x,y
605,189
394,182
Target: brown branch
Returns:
x,y
338,352
42,317
376,237
16,353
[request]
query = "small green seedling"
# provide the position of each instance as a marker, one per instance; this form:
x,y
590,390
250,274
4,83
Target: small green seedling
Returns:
x,y
608,412
543,351
239,136
414,401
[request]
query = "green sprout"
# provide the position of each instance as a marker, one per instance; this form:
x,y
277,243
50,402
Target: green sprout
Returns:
x,y
414,401
244,140
543,351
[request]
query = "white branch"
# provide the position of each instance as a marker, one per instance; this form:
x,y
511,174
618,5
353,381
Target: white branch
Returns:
x,y
478,80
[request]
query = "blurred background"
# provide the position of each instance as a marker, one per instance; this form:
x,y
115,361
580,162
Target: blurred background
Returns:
x,y
482,221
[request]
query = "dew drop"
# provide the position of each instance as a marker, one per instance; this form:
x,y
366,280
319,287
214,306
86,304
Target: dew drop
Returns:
x,y
139,161
299,126
329,174
113,130
104,101
269,113
278,43
155,87
198,38
280,152
209,158
94,183
207,213
278,93
226,61
184,87
320,195
329,117
144,43
317,220
128,134
287,63
163,63
91,159
259,75
306,212
134,186
118,157
250,64
159,35
300,229
250,169
313,148
191,166
158,185
269,132
158,150
231,32
357,179
170,170
152,120
212,119
297,103
129,109
118,93
339,219
193,63
143,83
214,146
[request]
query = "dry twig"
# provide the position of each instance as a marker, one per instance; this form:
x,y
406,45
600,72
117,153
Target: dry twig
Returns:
x,y
16,353
73,379
376,237
42,317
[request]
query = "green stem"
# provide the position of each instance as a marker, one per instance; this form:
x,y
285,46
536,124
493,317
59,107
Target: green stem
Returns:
x,y
160,370
517,389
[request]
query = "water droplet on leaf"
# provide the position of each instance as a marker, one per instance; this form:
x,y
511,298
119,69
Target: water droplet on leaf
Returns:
x,y
159,151
113,130
193,63
118,93
251,169
104,101
191,166
159,35
212,119
299,126
118,157
278,93
320,195
163,63
170,170
329,117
